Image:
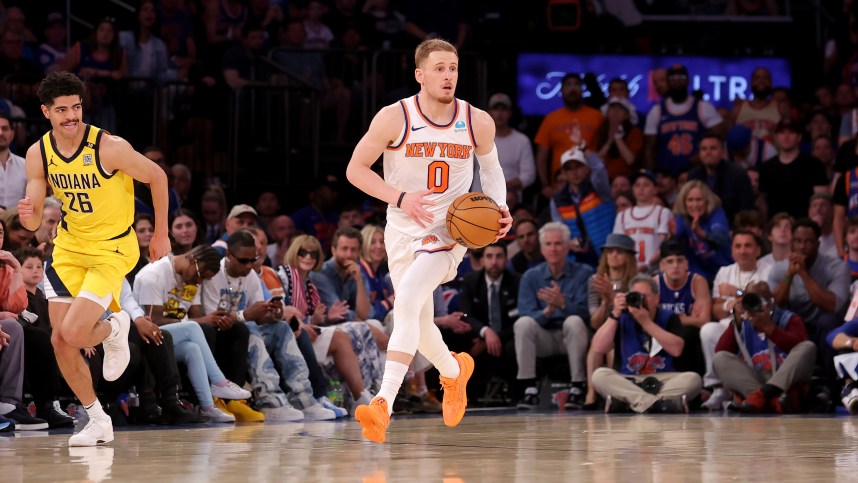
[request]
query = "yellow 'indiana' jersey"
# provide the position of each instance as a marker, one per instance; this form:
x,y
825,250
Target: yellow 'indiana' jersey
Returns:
x,y
96,205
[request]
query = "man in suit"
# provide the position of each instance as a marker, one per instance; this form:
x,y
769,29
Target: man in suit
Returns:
x,y
489,297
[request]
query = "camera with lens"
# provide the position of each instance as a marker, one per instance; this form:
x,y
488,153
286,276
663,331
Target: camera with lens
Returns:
x,y
636,300
753,303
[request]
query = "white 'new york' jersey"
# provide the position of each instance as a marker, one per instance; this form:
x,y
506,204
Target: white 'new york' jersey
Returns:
x,y
644,225
429,156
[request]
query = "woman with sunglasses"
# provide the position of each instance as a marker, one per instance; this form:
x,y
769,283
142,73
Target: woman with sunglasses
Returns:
x,y
331,344
169,292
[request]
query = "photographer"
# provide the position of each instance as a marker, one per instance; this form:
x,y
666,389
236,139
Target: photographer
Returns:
x,y
764,354
647,339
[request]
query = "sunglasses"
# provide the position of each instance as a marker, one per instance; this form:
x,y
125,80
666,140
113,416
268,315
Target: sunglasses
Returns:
x,y
244,261
312,253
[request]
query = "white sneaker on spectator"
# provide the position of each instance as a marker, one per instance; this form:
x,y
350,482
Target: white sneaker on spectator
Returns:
x,y
317,413
116,351
850,400
97,431
215,415
230,391
328,404
283,413
718,400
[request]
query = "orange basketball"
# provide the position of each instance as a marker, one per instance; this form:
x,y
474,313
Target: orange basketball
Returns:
x,y
473,220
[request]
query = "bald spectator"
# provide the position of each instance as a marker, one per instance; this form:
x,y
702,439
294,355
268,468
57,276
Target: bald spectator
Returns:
x,y
240,216
761,114
814,286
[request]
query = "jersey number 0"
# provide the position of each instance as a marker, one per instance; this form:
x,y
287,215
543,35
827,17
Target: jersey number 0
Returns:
x,y
438,176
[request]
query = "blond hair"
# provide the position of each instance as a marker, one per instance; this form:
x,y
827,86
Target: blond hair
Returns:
x,y
367,233
432,45
712,200
306,242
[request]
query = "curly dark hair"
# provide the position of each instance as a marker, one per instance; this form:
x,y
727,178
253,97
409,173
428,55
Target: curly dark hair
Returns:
x,y
58,84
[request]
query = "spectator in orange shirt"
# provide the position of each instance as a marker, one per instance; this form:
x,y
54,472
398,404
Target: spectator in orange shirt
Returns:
x,y
556,129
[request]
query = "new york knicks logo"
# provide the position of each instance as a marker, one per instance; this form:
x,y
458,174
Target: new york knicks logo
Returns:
x,y
643,364
429,239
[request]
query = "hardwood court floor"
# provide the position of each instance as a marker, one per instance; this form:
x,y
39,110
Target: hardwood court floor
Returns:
x,y
490,446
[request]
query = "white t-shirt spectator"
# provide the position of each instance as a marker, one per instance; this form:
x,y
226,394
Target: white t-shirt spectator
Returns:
x,y
515,154
731,274
236,293
13,181
708,115
159,284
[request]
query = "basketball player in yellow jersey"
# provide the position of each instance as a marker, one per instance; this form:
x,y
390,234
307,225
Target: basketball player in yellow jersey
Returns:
x,y
91,173
428,142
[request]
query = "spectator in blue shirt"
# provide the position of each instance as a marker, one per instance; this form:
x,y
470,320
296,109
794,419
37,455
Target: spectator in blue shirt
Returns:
x,y
552,302
341,286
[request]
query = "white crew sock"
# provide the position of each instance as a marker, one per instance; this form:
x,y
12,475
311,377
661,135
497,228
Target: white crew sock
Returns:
x,y
394,373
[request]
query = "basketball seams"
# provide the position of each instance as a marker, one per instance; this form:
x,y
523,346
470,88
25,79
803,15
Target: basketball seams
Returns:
x,y
469,222
474,224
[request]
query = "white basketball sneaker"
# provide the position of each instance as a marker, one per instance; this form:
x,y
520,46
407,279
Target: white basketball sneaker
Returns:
x,y
283,413
230,391
97,431
116,351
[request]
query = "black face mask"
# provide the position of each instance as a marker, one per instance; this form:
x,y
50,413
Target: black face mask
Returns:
x,y
677,95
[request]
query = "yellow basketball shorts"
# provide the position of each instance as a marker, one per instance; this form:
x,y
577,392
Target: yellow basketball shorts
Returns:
x,y
98,267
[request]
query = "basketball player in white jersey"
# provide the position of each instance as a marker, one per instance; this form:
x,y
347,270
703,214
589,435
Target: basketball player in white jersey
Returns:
x,y
428,142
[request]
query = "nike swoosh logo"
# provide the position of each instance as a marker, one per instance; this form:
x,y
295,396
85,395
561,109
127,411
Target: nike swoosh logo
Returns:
x,y
413,128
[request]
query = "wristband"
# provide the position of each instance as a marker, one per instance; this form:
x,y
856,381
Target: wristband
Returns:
x,y
483,332
239,315
726,309
399,202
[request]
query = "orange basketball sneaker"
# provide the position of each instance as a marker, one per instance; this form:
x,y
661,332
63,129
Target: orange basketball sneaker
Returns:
x,y
455,390
374,419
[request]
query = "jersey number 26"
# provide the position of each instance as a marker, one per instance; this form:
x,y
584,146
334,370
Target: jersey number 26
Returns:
x,y
79,202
